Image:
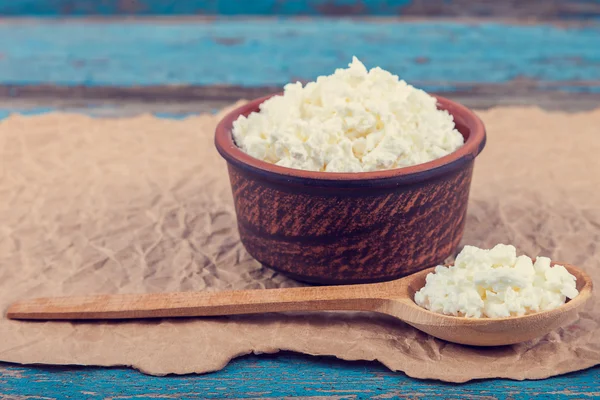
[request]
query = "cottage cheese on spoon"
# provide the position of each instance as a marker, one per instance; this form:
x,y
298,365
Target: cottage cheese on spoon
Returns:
x,y
352,121
496,283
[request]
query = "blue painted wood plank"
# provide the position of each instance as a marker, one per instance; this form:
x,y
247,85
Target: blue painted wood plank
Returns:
x,y
203,7
277,376
284,375
5,112
96,111
531,8
255,53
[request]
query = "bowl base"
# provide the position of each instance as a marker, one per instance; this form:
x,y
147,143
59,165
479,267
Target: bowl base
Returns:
x,y
312,280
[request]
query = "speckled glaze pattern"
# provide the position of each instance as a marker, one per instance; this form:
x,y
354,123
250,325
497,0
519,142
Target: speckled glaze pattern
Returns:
x,y
349,236
339,228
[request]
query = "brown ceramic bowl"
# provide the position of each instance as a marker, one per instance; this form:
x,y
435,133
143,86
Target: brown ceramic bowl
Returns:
x,y
339,228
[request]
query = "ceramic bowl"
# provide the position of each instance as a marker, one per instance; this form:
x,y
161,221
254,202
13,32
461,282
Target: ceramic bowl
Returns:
x,y
339,228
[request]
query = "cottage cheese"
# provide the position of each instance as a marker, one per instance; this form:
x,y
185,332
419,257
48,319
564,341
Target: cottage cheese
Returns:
x,y
496,283
352,121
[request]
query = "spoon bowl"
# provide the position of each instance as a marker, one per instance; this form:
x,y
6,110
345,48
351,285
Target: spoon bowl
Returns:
x,y
491,331
394,298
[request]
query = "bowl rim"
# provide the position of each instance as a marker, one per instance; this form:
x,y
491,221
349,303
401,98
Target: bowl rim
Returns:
x,y
450,162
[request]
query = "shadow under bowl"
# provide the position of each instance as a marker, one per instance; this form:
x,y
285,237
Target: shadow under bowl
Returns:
x,y
342,228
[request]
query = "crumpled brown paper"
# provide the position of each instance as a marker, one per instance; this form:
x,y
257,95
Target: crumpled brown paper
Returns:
x,y
143,205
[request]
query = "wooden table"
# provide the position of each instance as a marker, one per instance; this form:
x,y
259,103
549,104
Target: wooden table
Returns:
x,y
176,66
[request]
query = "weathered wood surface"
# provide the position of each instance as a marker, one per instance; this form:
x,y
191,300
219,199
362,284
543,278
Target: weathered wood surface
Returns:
x,y
179,101
179,67
175,68
435,55
482,8
279,376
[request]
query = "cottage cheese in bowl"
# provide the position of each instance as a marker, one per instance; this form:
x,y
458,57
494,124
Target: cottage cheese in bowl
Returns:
x,y
355,120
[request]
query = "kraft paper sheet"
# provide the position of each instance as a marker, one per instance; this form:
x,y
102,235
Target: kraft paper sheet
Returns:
x,y
143,204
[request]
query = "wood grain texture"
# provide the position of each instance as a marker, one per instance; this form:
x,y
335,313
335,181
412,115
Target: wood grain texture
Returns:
x,y
532,8
439,56
394,298
171,102
192,304
563,77
279,376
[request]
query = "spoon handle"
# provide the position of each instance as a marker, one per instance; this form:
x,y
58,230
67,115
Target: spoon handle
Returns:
x,y
193,304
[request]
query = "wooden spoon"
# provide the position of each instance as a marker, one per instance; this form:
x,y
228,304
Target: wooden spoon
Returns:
x,y
393,298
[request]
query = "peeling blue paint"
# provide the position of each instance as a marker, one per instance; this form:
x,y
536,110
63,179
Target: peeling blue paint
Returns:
x,y
256,53
534,8
278,376
5,112
91,111
200,7
170,115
